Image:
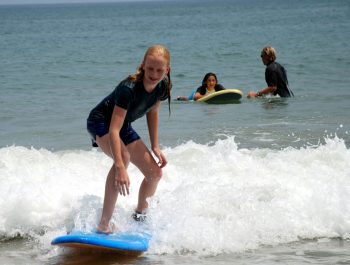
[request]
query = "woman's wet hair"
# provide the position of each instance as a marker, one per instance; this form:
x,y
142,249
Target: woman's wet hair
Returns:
x,y
206,77
158,50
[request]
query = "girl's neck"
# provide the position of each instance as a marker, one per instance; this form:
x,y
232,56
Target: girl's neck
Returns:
x,y
149,87
210,89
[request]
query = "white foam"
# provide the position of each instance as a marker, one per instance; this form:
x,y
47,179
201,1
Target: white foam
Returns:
x,y
212,198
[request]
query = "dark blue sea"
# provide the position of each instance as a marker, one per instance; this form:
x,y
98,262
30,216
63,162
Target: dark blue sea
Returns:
x,y
264,181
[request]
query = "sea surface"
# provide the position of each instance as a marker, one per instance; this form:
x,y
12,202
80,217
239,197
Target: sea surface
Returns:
x,y
264,181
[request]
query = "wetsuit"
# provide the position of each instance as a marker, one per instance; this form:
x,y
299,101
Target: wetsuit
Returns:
x,y
203,89
275,75
130,96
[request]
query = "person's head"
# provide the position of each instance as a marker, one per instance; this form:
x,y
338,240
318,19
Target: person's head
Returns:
x,y
210,80
154,67
268,55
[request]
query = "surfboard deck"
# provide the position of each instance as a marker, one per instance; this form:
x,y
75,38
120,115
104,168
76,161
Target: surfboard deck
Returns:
x,y
223,97
122,243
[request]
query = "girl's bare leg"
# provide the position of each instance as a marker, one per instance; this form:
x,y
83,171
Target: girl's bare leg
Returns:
x,y
142,158
110,199
111,193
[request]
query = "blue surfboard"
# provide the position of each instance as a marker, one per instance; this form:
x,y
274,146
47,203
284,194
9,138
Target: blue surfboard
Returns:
x,y
124,243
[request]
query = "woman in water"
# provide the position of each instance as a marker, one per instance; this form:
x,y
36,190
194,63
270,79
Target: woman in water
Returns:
x,y
209,85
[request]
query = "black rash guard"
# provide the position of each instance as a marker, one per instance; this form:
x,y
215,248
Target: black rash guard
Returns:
x,y
130,96
203,89
275,75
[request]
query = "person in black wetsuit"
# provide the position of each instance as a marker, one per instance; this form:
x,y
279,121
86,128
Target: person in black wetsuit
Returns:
x,y
109,125
275,76
209,85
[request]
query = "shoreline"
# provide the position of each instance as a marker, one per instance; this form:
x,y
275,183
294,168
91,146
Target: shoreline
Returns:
x,y
316,251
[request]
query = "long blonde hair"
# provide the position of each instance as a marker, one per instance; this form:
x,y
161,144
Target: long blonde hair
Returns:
x,y
158,50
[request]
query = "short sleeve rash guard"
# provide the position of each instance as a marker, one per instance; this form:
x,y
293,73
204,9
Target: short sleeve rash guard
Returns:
x,y
130,96
203,90
275,75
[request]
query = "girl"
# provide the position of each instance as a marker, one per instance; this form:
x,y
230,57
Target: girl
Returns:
x,y
109,124
209,85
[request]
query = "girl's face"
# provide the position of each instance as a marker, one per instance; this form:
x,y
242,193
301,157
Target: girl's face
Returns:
x,y
211,82
155,67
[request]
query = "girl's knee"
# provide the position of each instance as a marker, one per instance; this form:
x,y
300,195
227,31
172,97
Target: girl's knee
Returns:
x,y
156,174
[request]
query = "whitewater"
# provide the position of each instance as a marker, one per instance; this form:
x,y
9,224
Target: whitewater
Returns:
x,y
212,199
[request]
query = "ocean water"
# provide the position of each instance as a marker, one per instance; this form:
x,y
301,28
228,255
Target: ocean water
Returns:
x,y
265,181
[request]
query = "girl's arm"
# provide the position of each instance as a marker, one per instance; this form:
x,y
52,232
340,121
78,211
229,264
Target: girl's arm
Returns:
x,y
197,96
152,123
122,181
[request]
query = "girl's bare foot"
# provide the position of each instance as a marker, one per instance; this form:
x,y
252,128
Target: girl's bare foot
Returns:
x,y
110,229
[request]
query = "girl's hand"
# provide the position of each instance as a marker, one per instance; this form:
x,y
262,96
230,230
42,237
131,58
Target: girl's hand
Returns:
x,y
161,157
122,182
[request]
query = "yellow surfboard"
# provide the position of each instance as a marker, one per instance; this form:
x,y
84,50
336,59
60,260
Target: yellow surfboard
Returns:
x,y
225,96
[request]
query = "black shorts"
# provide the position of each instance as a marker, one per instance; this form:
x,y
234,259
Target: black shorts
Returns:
x,y
127,133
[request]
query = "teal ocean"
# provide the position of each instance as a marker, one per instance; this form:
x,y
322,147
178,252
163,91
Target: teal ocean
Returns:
x,y
264,181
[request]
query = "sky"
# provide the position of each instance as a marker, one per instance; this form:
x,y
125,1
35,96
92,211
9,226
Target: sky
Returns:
x,y
7,2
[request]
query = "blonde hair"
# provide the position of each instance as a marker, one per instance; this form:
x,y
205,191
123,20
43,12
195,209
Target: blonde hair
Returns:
x,y
269,52
157,50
